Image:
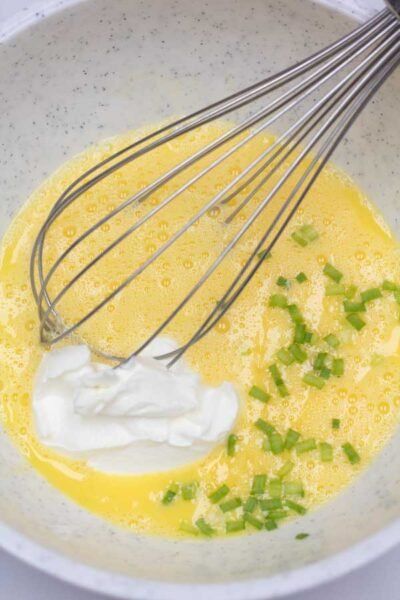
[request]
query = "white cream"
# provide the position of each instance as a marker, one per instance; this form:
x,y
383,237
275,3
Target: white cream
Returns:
x,y
138,418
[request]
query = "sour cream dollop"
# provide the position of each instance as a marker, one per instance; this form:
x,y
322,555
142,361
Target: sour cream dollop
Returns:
x,y
139,418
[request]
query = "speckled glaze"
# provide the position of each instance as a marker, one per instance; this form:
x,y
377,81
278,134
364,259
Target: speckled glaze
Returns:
x,y
75,72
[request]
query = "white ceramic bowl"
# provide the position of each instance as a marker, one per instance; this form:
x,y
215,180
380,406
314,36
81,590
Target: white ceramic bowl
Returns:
x,y
79,71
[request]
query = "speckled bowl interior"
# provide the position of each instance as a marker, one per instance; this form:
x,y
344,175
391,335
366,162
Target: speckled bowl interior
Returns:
x,y
82,71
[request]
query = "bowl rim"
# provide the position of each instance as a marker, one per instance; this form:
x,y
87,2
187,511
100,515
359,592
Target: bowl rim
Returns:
x,y
66,569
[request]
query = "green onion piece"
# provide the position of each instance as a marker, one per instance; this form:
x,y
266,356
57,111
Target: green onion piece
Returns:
x,y
285,469
314,380
276,442
351,453
335,423
308,337
332,340
300,333
282,390
335,289
292,438
256,523
250,504
293,488
218,494
277,377
277,515
266,445
283,282
299,508
353,307
356,321
309,233
306,446
337,367
259,483
351,291
326,452
371,294
188,528
302,536
295,313
301,277
170,494
270,524
204,527
234,526
264,426
270,504
331,272
297,237
319,362
278,300
275,488
231,444
231,504
298,353
389,286
259,394
264,254
189,490
285,357
325,373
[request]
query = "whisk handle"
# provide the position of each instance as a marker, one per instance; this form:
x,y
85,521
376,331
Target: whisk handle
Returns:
x,y
394,5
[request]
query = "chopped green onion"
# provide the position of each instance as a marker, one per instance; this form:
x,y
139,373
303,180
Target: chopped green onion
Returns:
x,y
259,394
371,294
351,453
278,300
231,444
256,523
335,423
276,442
170,494
356,321
299,508
204,527
270,524
188,528
218,494
319,362
309,233
301,277
300,333
250,504
326,452
295,313
259,483
306,445
331,272
266,445
189,490
285,469
277,377
282,390
293,488
283,282
231,504
297,237
298,353
389,286
351,291
264,426
276,515
335,289
337,367
302,536
308,337
325,373
314,380
332,340
270,504
353,307
292,438
275,488
233,526
285,357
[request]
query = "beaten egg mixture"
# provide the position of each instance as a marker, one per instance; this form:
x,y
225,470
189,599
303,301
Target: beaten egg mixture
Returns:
x,y
341,412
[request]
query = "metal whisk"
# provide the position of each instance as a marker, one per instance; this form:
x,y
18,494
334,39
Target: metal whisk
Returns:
x,y
352,69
